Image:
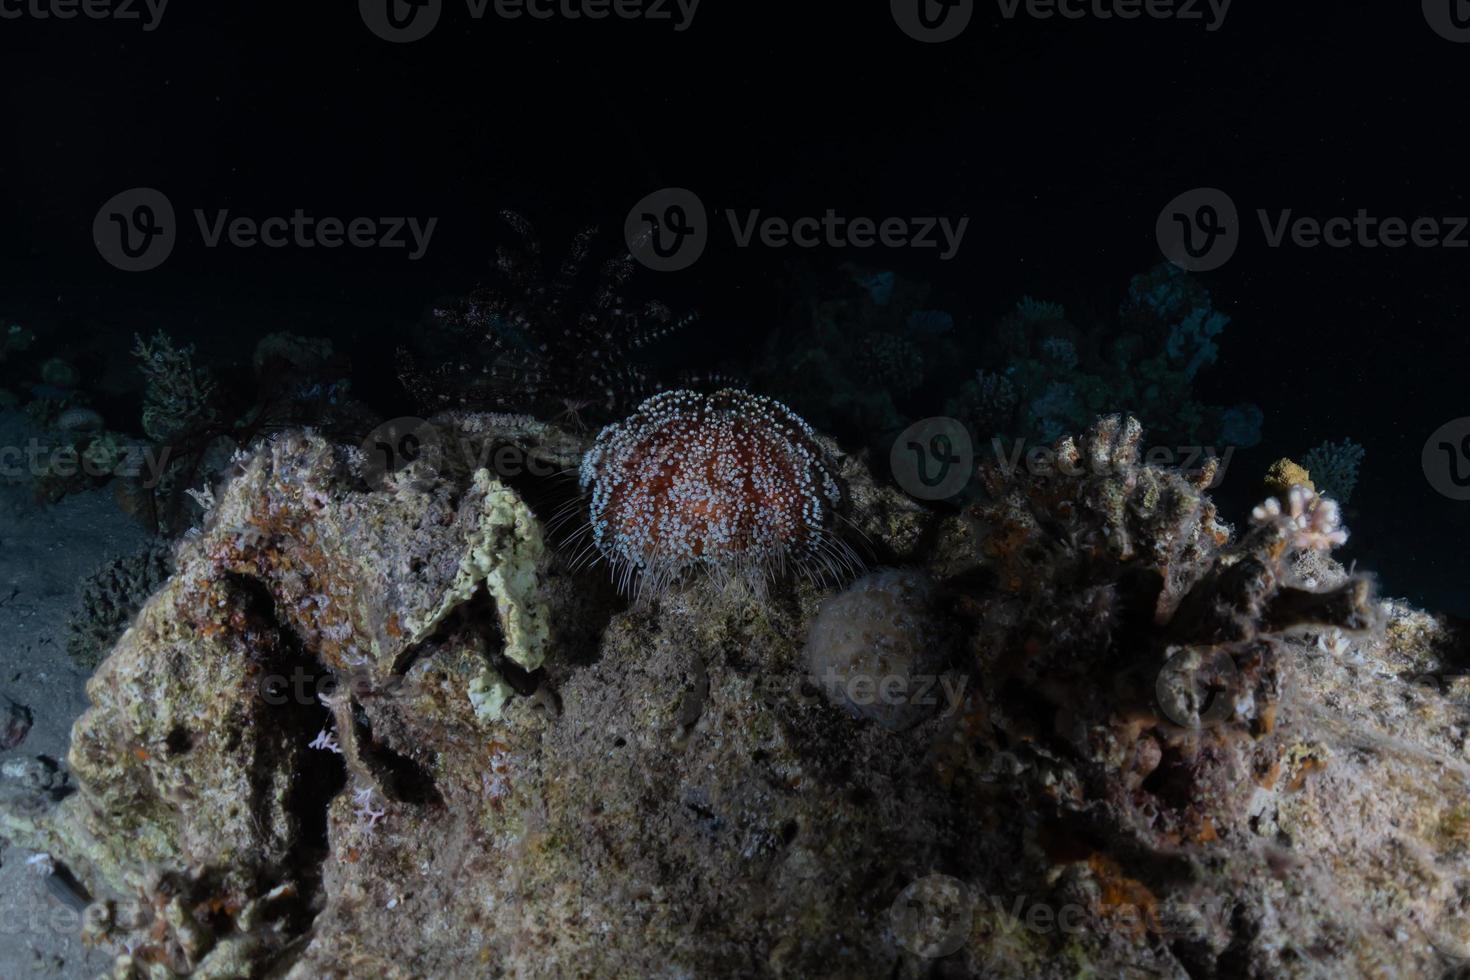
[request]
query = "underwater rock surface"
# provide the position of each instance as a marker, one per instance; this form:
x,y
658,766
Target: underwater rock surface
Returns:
x,y
383,728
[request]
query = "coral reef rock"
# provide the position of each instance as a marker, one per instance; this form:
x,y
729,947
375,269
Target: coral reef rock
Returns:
x,y
387,730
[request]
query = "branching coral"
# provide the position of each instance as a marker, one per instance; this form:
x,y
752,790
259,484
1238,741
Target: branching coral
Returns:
x,y
179,396
1167,332
299,381
1313,521
1099,509
860,352
1334,468
1031,310
1060,351
891,361
1115,576
985,404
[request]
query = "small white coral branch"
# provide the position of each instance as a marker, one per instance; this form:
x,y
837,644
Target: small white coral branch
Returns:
x,y
204,497
1314,521
326,740
362,802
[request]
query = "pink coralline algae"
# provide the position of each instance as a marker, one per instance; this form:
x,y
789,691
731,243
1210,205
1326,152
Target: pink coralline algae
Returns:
x,y
731,481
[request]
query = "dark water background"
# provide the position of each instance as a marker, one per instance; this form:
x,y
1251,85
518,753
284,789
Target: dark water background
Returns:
x,y
1061,141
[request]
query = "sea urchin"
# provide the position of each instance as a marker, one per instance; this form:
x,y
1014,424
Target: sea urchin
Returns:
x,y
731,481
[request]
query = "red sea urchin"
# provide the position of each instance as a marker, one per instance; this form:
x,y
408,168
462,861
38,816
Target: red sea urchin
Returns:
x,y
732,481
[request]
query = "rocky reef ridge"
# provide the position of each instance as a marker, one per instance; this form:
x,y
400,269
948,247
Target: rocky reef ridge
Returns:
x,y
382,726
